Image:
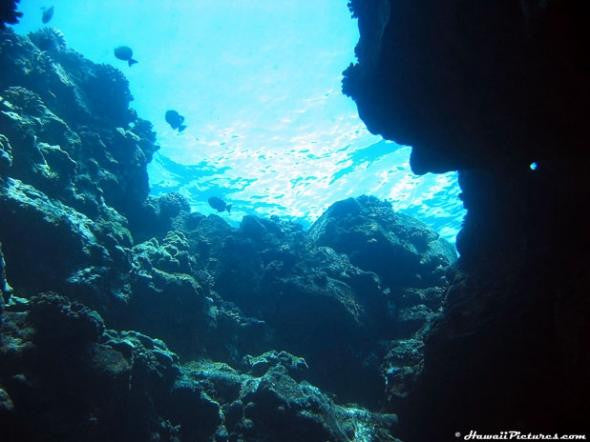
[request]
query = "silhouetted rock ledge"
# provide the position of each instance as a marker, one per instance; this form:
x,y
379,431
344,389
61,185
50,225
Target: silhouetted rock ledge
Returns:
x,y
130,318
379,240
9,13
487,88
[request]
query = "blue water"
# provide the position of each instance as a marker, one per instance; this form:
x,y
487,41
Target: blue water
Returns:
x,y
259,84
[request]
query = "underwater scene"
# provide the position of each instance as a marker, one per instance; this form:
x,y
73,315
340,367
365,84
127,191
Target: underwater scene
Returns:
x,y
274,220
256,88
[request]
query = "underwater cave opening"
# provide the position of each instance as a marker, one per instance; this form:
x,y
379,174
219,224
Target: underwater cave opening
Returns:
x,y
259,85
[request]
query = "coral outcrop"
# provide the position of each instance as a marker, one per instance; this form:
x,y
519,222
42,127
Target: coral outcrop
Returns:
x,y
276,272
379,240
101,384
130,318
487,88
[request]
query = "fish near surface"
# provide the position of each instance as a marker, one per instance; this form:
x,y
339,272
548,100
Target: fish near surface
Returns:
x,y
125,53
219,205
47,14
175,120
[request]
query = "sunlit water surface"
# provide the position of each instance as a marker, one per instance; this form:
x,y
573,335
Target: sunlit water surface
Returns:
x,y
259,84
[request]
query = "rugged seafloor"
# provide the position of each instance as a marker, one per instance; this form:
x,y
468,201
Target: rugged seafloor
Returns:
x,y
129,318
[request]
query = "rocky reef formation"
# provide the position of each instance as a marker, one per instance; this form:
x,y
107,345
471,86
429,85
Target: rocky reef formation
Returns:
x,y
74,157
487,88
277,273
131,318
99,384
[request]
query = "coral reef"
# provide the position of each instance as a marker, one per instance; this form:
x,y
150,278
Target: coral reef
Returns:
x,y
277,273
487,88
135,388
127,317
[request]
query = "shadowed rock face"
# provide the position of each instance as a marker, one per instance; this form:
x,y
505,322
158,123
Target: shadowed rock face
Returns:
x,y
400,249
472,83
8,12
487,88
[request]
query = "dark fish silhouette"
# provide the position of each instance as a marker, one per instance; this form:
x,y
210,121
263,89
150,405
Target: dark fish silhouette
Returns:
x,y
47,14
219,205
125,53
175,120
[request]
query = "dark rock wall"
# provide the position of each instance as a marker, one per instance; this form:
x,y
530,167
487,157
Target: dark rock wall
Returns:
x,y
472,83
486,88
8,12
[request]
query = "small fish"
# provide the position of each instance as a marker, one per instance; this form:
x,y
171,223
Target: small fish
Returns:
x,y
47,14
219,205
125,53
175,120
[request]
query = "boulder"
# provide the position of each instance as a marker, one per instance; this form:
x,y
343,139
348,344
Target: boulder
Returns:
x,y
400,249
